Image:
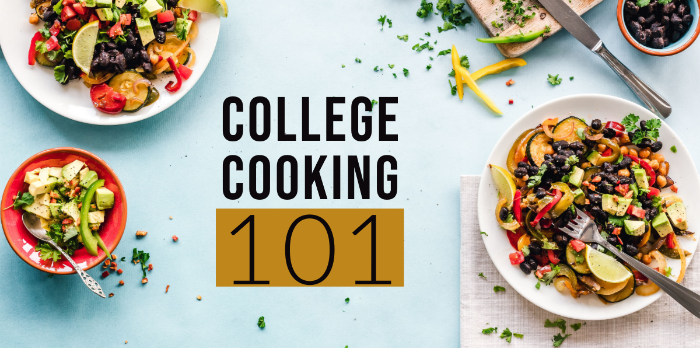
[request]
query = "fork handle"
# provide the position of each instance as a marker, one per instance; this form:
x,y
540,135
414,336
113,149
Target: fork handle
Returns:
x,y
686,297
87,279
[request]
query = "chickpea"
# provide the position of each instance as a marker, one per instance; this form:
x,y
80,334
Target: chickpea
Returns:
x,y
644,153
33,19
658,157
624,150
634,153
602,147
661,181
663,168
646,259
585,165
654,164
154,59
623,172
646,160
625,139
549,150
519,182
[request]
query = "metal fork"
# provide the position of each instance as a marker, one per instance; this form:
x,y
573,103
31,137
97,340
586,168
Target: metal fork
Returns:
x,y
582,227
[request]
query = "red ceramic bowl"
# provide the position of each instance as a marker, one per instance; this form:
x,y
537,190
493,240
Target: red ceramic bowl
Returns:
x,y
685,41
23,242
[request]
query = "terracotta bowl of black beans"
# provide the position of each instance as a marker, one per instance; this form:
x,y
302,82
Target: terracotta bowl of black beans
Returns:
x,y
659,27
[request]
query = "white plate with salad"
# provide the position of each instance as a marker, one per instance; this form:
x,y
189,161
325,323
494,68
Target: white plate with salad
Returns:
x,y
571,146
109,62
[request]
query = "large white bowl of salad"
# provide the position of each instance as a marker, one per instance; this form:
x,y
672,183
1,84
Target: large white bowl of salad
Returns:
x,y
110,62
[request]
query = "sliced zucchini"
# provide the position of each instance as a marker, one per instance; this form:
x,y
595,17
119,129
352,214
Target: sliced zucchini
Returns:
x,y
124,84
563,127
672,253
43,60
153,96
536,147
41,8
622,294
571,259
517,151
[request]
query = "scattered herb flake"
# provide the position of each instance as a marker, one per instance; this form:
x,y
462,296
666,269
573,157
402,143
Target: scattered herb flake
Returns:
x,y
430,66
559,339
358,60
489,331
498,288
445,52
347,300
537,286
403,37
560,323
554,80
426,8
571,78
481,274
382,19
673,149
482,232
576,326
405,72
261,322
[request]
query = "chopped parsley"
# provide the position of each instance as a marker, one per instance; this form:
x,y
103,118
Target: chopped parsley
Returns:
x,y
537,286
537,179
374,102
508,336
343,65
498,288
453,89
426,8
394,75
405,72
463,61
445,52
261,322
429,67
548,277
427,34
571,78
452,14
560,323
559,339
579,256
358,60
46,251
572,160
376,68
481,274
673,149
489,331
482,232
554,80
347,300
445,27
403,37
576,326
382,19
391,66
390,23
123,259
667,271
142,257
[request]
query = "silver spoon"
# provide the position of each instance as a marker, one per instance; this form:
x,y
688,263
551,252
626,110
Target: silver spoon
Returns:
x,y
33,224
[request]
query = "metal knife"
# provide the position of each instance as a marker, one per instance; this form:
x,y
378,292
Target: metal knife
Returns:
x,y
578,28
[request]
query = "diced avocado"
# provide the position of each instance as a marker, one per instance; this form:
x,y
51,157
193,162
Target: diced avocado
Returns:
x,y
56,209
662,225
90,3
72,169
119,3
150,8
43,199
181,25
105,198
71,231
38,187
31,177
103,3
71,208
608,204
88,179
145,30
635,228
579,197
622,205
105,14
38,210
635,190
44,174
45,224
676,213
82,173
593,157
55,172
96,217
640,175
576,177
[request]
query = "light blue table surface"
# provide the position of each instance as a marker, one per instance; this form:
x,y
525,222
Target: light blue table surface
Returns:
x,y
171,164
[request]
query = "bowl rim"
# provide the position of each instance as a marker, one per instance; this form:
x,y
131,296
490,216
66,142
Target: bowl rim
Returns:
x,y
637,45
32,159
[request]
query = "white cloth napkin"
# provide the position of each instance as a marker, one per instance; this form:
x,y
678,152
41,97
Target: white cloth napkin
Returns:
x,y
663,324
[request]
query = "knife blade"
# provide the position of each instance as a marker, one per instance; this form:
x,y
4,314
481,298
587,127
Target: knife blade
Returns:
x,y
572,22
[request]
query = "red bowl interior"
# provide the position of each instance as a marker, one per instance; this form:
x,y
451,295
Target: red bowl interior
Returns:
x,y
23,242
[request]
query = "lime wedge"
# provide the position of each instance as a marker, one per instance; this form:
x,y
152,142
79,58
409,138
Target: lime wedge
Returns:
x,y
504,183
609,288
84,45
605,267
217,7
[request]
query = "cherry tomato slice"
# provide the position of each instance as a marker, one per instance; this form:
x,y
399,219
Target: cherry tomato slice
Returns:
x,y
73,24
105,99
516,258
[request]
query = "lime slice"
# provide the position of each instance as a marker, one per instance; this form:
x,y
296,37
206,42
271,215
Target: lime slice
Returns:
x,y
84,45
605,267
217,7
504,183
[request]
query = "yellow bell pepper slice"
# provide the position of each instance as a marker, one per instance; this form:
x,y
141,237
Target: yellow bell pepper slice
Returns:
x,y
499,67
462,74
458,76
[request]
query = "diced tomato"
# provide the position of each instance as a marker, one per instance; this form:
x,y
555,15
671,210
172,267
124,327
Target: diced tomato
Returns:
x,y
165,17
516,258
623,189
513,238
125,19
541,259
73,24
105,99
67,13
52,44
67,221
93,18
552,257
116,30
619,128
639,276
55,28
68,2
542,270
616,231
193,15
79,9
187,72
636,211
86,16
653,191
578,245
607,153
669,242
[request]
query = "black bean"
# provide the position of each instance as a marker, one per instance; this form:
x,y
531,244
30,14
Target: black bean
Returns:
x,y
651,19
559,145
625,180
631,249
110,46
656,146
559,159
160,36
576,145
540,193
525,267
120,63
599,214
532,170
631,7
54,2
642,21
147,66
607,167
683,10
172,3
589,143
50,16
547,157
626,161
503,214
613,240
145,56
675,36
650,214
95,64
104,59
668,8
520,172
129,54
609,132
533,263
535,249
596,123
523,165
687,19
658,31
652,7
646,142
657,42
561,239
565,168
647,32
595,198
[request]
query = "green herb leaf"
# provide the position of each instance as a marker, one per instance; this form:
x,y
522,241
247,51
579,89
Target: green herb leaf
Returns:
x,y
560,323
391,66
394,75
261,322
430,66
405,72
537,286
576,326
667,271
374,102
426,8
403,37
390,23
548,277
358,60
46,251
571,78
382,19
508,336
445,27
59,73
673,149
482,232
537,179
554,80
489,330
517,335
559,339
453,89
643,3
572,160
498,288
445,52
347,300
630,122
526,250
482,275
22,200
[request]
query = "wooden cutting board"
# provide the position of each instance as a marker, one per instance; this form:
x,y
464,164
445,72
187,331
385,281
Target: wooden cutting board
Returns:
x,y
487,11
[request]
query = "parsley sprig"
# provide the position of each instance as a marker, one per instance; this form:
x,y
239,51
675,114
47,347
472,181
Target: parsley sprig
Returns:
x,y
554,80
142,257
537,179
650,131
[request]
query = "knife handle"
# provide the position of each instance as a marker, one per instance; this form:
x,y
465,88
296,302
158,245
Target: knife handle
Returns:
x,y
648,96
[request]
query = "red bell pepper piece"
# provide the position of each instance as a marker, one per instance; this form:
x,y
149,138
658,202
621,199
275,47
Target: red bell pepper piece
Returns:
x,y
79,9
578,245
73,24
619,128
552,257
52,44
669,242
513,237
116,30
607,152
193,15
67,13
516,258
653,192
32,47
525,159
647,167
639,276
105,99
174,87
517,212
542,270
165,17
623,189
55,28
548,207
187,72
636,211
